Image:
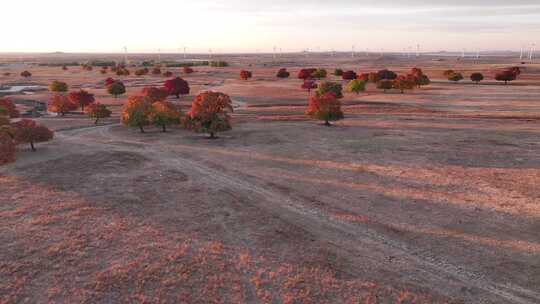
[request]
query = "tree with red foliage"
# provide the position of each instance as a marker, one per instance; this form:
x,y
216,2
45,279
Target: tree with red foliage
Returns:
x,y
98,111
477,77
103,71
506,76
404,82
516,70
109,81
116,88
349,75
245,75
61,104
283,73
164,114
210,113
305,73
155,94
10,108
309,85
82,98
156,71
7,144
177,86
7,147
187,70
28,132
167,74
386,74
26,74
64,68
418,77
136,112
326,107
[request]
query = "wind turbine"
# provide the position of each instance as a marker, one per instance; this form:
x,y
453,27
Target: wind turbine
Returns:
x,y
125,55
521,53
418,50
352,52
532,51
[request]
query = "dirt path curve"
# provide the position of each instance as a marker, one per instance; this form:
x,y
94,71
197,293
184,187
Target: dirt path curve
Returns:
x,y
354,241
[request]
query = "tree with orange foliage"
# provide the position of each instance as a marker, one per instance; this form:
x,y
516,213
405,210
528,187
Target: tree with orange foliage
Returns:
x,y
210,113
82,98
177,86
245,75
136,112
155,94
156,71
26,74
29,132
61,104
404,82
164,114
10,108
98,111
326,107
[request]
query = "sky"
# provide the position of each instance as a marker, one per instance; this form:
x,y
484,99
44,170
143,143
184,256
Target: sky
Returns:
x,y
256,26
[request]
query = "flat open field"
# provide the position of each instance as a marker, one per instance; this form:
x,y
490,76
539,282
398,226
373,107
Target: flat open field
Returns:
x,y
426,197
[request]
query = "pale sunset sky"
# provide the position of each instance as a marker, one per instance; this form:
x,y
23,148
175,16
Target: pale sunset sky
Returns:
x,y
250,26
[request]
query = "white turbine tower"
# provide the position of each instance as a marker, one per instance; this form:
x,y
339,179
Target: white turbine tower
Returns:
x,y
521,53
352,52
531,52
185,55
418,50
125,55
274,54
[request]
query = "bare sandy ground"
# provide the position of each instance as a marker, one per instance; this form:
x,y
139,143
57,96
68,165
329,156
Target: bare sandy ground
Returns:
x,y
427,197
